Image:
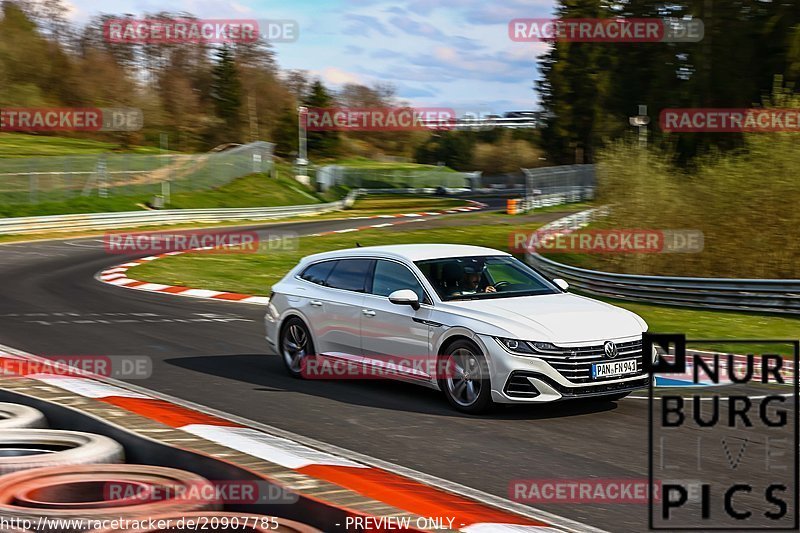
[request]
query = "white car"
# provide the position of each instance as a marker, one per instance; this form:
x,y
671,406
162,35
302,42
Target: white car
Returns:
x,y
474,322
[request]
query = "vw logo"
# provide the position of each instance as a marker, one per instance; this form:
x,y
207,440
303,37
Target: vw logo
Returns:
x,y
610,349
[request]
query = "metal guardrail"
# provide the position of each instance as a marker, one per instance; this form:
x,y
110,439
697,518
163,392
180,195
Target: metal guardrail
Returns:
x,y
759,295
93,221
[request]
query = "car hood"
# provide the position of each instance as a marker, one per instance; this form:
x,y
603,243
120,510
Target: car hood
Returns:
x,y
557,318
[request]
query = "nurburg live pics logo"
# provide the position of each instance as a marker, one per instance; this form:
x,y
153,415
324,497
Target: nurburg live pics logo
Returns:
x,y
723,435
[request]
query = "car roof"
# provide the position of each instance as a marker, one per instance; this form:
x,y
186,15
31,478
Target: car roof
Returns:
x,y
410,252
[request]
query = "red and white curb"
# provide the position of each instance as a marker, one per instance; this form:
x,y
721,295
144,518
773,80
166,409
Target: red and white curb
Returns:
x,y
412,493
117,275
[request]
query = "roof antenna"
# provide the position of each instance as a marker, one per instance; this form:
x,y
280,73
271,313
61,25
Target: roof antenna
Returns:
x,y
358,244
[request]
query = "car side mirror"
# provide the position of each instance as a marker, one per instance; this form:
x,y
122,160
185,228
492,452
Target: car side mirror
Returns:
x,y
405,297
561,284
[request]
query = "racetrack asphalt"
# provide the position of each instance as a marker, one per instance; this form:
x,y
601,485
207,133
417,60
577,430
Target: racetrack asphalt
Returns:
x,y
214,354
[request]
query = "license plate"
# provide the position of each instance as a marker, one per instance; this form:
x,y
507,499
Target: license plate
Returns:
x,y
615,368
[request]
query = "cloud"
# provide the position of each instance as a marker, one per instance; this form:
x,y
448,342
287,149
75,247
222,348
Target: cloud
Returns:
x,y
429,31
336,76
365,25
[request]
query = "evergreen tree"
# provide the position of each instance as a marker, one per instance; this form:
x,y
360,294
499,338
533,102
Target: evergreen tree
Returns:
x,y
321,143
226,93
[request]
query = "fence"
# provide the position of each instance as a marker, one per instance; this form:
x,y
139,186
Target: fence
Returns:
x,y
99,221
331,175
59,178
557,185
759,295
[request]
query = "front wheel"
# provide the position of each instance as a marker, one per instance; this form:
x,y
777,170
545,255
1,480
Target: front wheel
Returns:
x,y
466,383
295,346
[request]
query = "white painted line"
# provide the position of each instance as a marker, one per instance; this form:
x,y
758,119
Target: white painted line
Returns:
x,y
345,230
152,287
201,293
412,215
500,528
381,225
277,450
122,281
256,300
88,388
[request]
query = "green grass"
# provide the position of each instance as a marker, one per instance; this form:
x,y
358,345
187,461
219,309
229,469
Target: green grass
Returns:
x,y
255,190
255,274
27,145
398,203
699,324
366,164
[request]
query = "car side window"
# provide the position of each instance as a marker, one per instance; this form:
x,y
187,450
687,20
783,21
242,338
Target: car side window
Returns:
x,y
318,272
390,276
351,275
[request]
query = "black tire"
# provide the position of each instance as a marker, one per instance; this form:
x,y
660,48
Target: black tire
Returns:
x,y
288,347
456,378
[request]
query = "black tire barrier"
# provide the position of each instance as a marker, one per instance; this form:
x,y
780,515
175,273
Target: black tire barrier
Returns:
x,y
73,498
25,449
244,523
15,416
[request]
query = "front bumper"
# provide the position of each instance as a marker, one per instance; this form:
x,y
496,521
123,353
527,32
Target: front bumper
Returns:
x,y
525,379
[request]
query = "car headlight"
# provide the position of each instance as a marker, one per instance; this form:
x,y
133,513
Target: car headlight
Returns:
x,y
526,347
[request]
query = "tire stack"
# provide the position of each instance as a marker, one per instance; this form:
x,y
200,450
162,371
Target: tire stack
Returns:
x,y
79,478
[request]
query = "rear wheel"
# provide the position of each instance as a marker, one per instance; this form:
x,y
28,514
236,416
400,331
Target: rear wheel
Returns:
x,y
466,383
295,346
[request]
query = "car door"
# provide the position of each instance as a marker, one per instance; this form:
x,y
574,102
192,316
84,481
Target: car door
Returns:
x,y
309,298
341,299
396,335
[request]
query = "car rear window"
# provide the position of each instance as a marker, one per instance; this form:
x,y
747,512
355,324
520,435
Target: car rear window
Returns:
x,y
318,272
351,274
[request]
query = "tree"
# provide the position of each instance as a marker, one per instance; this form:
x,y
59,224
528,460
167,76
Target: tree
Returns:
x,y
321,143
226,93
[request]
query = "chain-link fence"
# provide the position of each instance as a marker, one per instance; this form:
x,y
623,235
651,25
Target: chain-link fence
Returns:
x,y
549,186
59,178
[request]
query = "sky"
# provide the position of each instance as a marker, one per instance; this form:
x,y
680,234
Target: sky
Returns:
x,y
436,53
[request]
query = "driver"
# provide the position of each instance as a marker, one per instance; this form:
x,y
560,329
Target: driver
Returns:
x,y
472,282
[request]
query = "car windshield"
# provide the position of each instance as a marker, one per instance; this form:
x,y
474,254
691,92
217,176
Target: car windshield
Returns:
x,y
468,278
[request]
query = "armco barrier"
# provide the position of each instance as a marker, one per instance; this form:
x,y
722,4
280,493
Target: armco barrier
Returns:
x,y
98,221
759,295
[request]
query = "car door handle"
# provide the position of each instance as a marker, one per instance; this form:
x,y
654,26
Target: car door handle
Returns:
x,y
316,303
368,312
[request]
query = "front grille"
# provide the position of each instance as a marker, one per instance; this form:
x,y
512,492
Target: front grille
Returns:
x,y
599,389
575,363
